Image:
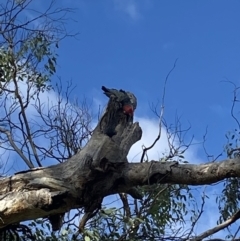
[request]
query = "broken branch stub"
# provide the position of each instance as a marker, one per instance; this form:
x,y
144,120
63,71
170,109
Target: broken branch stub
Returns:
x,y
115,133
84,179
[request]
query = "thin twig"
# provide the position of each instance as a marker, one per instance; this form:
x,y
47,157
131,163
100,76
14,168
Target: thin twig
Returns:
x,y
161,114
29,163
199,215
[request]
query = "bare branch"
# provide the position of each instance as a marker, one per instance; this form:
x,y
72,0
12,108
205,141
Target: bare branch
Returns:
x,y
29,163
22,112
65,124
219,227
200,212
145,149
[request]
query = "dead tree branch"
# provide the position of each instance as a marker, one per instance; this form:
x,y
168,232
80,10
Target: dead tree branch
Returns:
x,y
219,227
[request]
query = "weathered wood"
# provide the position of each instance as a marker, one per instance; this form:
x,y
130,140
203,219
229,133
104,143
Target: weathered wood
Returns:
x,y
41,193
98,170
175,173
83,180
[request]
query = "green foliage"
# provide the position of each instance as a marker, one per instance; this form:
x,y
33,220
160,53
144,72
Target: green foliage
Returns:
x,y
35,62
41,230
159,213
161,208
228,201
38,230
232,147
27,50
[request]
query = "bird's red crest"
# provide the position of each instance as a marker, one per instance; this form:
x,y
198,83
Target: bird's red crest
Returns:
x,y
128,110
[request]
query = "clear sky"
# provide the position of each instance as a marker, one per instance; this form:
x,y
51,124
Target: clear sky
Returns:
x,y
132,44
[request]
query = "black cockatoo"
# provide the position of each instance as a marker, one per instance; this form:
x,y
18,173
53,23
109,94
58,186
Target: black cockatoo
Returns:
x,y
127,99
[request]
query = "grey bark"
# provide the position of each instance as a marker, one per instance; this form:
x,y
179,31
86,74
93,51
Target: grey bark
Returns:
x,y
98,170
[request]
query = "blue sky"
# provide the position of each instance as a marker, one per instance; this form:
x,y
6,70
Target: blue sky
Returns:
x,y
133,44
